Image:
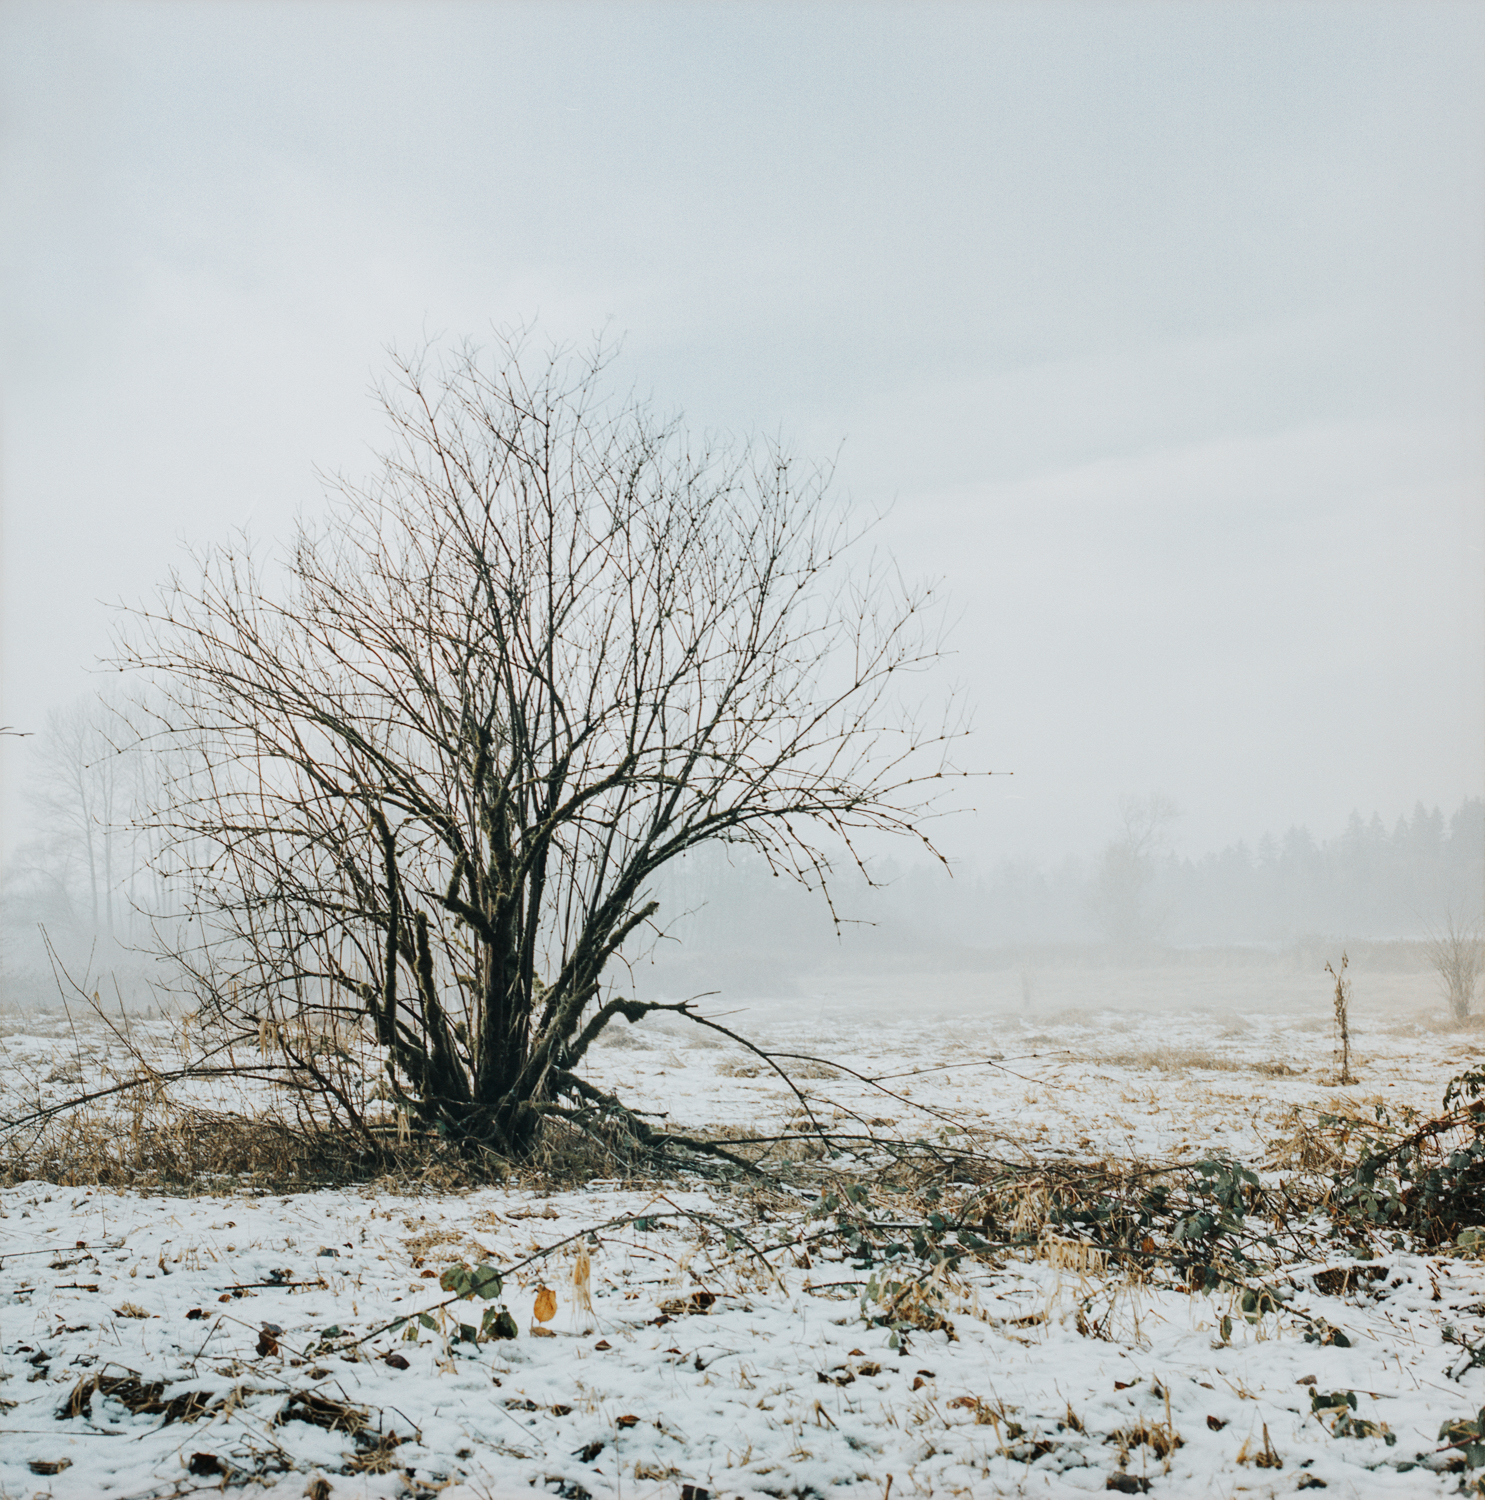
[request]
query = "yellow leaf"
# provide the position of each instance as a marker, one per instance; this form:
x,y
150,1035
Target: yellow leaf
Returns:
x,y
546,1304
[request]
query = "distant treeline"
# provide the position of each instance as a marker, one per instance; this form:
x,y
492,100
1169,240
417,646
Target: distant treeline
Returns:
x,y
1369,882
86,878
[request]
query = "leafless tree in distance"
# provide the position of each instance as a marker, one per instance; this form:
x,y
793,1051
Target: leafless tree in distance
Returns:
x,y
1457,955
85,797
437,758
1127,869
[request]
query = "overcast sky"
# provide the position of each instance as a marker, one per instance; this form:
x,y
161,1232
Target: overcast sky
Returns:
x,y
1161,327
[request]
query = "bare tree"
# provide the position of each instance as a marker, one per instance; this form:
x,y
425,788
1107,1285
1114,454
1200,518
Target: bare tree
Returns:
x,y
439,757
1457,955
1127,869
84,800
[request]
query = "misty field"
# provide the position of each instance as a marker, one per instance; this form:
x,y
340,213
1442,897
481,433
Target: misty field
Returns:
x,y
690,1337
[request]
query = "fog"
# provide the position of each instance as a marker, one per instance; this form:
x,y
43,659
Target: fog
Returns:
x,y
1154,333
82,905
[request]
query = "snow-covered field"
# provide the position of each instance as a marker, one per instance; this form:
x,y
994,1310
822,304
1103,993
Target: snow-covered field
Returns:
x,y
134,1359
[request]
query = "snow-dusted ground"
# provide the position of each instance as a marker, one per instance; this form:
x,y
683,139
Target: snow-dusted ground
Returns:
x,y
779,1386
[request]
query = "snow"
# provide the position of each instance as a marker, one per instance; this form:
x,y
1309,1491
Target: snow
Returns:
x,y
780,1385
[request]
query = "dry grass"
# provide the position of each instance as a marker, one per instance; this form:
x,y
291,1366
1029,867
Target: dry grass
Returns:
x,y
569,1156
170,1148
148,1105
166,1147
1160,1437
742,1069
1444,1022
749,1067
1192,1060
1306,1146
379,1458
624,1037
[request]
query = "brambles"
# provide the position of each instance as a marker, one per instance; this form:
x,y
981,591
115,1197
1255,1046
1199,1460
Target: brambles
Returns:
x,y
1426,1178
1466,1435
1339,1410
464,1283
